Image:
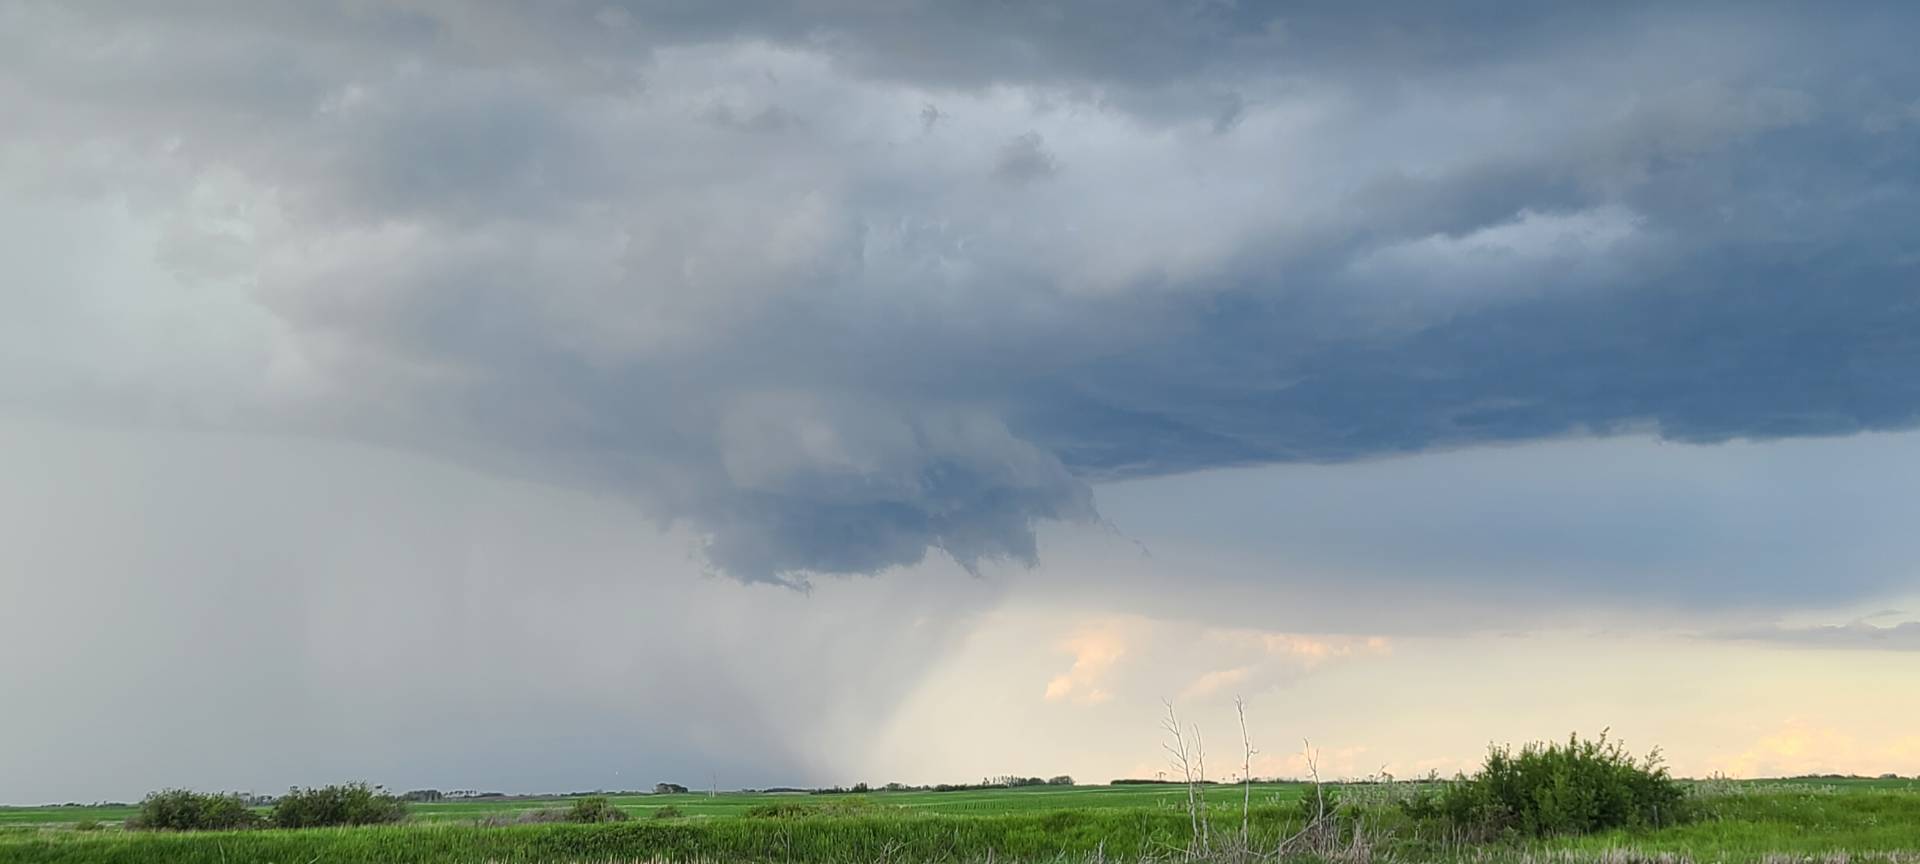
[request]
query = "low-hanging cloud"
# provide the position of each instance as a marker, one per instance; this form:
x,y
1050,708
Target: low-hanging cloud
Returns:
x,y
835,289
1853,635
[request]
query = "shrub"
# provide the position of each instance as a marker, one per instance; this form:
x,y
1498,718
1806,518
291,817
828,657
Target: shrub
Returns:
x,y
595,809
1578,787
1422,803
87,825
183,810
1318,801
328,806
668,812
781,810
543,816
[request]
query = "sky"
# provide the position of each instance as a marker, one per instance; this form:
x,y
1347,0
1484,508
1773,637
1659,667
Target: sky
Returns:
x,y
583,395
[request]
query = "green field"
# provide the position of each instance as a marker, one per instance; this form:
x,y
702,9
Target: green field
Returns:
x,y
700,806
1740,822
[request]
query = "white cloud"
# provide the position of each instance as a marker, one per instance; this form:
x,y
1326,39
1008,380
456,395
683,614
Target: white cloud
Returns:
x,y
1531,252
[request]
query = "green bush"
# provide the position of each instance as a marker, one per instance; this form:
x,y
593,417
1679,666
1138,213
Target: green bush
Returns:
x,y
183,810
595,809
1578,787
1318,801
542,816
668,812
87,825
329,806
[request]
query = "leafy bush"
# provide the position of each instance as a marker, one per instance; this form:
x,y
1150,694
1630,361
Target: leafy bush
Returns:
x,y
595,809
329,806
184,810
1422,803
1318,801
542,816
668,812
1578,787
87,825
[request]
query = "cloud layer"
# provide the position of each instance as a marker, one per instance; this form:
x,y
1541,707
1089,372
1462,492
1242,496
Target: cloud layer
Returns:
x,y
833,287
1903,636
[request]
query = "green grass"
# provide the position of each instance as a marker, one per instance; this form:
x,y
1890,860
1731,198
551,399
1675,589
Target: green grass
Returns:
x,y
61,815
1743,823
901,836
1863,818
971,802
700,805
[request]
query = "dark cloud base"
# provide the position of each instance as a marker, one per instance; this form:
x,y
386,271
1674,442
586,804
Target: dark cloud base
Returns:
x,y
1742,348
836,288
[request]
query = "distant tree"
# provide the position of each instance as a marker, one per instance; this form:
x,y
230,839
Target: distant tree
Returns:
x,y
419,795
1014,780
669,789
1060,780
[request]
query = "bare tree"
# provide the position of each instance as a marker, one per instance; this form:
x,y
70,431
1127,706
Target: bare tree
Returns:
x,y
1188,759
1315,832
1246,774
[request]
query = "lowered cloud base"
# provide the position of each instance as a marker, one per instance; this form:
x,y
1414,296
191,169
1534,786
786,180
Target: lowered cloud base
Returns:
x,y
836,288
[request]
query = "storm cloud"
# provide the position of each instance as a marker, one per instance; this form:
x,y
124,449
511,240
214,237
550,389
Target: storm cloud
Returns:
x,y
835,285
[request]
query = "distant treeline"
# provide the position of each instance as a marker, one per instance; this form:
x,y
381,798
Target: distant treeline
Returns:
x,y
1888,776
66,804
1008,782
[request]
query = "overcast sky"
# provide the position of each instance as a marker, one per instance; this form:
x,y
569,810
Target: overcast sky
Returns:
x,y
589,394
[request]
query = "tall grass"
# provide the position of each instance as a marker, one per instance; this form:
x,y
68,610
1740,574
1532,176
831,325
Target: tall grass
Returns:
x,y
829,839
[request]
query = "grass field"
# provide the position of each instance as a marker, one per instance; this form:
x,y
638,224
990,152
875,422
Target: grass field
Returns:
x,y
733,804
1743,822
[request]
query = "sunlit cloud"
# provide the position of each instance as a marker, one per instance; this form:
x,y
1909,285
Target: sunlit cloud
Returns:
x,y
1095,650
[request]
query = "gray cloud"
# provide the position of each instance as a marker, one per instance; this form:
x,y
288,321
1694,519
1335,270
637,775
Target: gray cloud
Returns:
x,y
1024,159
1858,635
541,242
